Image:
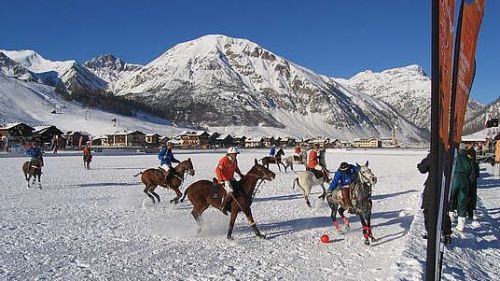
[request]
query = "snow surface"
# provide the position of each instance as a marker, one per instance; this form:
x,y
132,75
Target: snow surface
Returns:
x,y
98,225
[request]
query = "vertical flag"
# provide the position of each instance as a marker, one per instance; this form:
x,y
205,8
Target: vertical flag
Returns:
x,y
443,12
446,18
452,77
471,14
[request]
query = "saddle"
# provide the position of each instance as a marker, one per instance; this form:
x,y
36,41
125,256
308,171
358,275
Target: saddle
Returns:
x,y
317,173
214,191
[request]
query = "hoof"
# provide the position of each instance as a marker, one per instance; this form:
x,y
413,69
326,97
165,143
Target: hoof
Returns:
x,y
262,236
308,204
374,239
367,242
229,238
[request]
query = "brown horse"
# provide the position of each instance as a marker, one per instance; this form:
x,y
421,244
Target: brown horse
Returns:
x,y
200,194
33,169
86,160
155,177
274,160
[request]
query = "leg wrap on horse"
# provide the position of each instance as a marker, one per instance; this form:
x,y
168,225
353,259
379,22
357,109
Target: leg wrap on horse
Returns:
x,y
337,226
366,231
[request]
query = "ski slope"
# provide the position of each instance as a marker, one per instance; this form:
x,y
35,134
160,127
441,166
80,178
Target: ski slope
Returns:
x,y
99,225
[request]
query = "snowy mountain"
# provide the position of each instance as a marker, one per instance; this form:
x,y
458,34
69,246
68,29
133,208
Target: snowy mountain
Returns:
x,y
110,68
75,78
218,81
406,89
476,121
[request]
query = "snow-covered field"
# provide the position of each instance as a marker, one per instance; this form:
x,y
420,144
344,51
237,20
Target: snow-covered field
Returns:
x,y
98,225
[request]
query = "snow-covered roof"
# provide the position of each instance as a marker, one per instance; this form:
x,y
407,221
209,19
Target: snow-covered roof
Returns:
x,y
482,135
222,137
12,125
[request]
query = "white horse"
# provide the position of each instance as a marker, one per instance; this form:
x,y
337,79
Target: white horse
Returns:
x,y
306,180
290,160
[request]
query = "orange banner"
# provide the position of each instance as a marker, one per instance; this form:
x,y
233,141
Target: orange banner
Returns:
x,y
472,15
446,16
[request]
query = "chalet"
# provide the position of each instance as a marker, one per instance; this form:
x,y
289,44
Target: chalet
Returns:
x,y
323,142
18,133
195,139
153,139
164,140
254,142
75,139
100,141
47,135
239,141
287,142
268,141
224,141
367,143
128,138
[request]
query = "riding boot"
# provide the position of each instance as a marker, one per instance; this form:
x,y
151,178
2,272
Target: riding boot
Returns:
x,y
347,200
226,203
167,174
326,176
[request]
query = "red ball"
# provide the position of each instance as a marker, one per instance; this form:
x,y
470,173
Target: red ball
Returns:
x,y
324,238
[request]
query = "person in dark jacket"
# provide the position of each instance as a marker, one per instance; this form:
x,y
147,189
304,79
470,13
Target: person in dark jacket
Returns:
x,y
460,187
424,167
166,157
472,200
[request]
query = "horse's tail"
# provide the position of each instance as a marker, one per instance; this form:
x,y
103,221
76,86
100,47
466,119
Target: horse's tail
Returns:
x,y
135,176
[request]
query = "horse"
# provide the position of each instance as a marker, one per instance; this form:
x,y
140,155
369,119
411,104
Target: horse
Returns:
x,y
86,160
274,159
361,191
200,194
33,169
306,180
290,160
155,177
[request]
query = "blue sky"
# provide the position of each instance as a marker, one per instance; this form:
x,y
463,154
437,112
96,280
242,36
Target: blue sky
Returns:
x,y
335,38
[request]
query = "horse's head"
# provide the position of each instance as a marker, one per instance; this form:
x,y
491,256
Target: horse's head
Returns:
x,y
366,175
261,172
186,166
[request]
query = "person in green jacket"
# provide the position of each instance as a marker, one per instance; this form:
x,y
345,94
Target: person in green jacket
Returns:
x,y
460,187
471,203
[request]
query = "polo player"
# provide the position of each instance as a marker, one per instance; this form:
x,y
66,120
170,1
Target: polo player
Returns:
x,y
224,172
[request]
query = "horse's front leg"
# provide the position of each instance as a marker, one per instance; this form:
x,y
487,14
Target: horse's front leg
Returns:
x,y
253,223
333,215
346,221
368,223
323,196
39,182
179,195
366,229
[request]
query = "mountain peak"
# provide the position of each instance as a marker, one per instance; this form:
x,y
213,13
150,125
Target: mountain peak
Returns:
x,y
107,61
413,68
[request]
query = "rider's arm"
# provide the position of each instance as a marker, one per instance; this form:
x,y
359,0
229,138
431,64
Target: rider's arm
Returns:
x,y
218,170
334,182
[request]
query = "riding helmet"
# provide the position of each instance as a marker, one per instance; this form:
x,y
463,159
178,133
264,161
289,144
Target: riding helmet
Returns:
x,y
344,166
